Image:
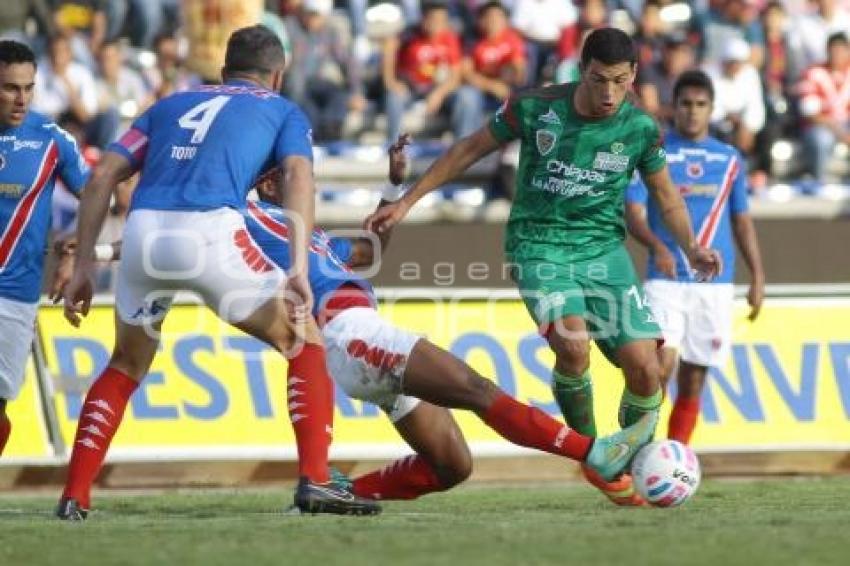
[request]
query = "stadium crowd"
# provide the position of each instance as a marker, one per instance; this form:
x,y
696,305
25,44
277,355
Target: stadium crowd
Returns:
x,y
364,71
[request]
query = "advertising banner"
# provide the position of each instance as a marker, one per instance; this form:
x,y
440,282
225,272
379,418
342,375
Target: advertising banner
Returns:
x,y
213,392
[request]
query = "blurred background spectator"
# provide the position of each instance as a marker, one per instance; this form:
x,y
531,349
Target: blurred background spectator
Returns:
x,y
738,96
541,23
84,23
825,104
168,73
593,14
495,64
324,77
827,17
423,67
122,95
655,81
15,19
725,21
63,84
780,72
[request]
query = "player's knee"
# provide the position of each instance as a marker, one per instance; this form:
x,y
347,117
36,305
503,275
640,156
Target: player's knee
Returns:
x,y
478,392
666,365
456,465
289,340
644,377
460,471
571,356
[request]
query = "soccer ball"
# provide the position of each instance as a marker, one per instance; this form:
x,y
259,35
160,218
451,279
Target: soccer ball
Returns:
x,y
666,473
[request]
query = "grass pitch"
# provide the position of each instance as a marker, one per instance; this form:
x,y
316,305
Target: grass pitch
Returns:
x,y
770,522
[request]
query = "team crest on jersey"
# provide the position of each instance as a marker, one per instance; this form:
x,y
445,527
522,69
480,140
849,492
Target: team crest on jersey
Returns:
x,y
550,118
545,141
694,169
617,147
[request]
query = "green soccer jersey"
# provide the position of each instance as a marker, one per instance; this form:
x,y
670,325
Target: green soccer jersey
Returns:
x,y
573,173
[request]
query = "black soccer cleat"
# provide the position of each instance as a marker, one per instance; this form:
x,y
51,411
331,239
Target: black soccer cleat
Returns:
x,y
332,497
69,510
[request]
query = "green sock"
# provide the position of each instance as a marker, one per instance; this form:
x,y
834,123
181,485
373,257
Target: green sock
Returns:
x,y
633,407
574,396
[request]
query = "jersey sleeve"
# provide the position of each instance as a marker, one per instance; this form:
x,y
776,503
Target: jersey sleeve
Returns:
x,y
341,248
738,199
72,169
295,137
636,192
133,145
653,158
505,123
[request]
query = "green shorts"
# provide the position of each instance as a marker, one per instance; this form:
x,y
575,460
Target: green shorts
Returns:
x,y
605,291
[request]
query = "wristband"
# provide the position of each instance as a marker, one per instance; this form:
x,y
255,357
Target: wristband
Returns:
x,y
104,252
392,193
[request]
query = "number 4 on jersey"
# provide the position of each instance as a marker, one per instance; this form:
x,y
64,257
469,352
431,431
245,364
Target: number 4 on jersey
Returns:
x,y
200,117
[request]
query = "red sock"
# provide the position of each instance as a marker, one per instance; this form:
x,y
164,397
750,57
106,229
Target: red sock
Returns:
x,y
311,410
5,431
533,428
683,419
100,418
407,478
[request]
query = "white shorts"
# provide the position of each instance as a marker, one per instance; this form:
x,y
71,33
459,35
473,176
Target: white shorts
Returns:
x,y
17,327
210,253
367,357
695,318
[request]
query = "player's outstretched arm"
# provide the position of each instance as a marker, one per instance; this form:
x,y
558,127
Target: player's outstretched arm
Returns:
x,y
639,229
747,241
448,166
94,204
705,261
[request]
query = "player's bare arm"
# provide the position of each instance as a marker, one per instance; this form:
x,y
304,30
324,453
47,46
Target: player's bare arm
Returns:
x,y
705,261
94,204
747,242
297,194
65,252
448,166
639,229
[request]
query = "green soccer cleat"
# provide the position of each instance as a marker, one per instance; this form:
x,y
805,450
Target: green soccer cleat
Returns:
x,y
610,455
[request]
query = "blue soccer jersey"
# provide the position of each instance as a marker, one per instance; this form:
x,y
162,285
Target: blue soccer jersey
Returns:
x,y
204,149
712,178
32,155
328,257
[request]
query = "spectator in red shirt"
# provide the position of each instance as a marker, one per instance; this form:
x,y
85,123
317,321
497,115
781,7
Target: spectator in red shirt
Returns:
x,y
424,65
825,103
496,63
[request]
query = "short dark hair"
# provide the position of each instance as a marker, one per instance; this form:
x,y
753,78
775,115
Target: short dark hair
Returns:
x,y
12,52
431,5
254,49
694,78
609,46
837,38
487,6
